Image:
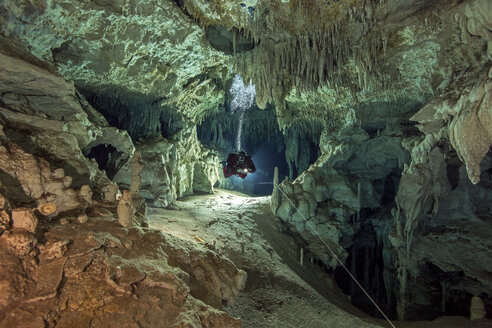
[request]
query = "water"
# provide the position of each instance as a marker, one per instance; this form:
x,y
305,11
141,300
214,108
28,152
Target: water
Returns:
x,y
243,97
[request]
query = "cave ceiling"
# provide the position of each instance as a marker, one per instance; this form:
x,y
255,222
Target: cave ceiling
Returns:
x,y
316,61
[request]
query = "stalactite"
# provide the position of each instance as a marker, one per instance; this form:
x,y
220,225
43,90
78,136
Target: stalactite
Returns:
x,y
316,54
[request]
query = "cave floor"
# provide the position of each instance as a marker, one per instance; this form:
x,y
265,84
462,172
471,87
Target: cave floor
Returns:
x,y
279,291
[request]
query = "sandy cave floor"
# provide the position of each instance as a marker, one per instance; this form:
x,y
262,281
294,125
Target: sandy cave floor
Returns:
x,y
243,229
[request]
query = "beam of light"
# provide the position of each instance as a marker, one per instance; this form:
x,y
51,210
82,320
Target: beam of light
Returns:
x,y
243,97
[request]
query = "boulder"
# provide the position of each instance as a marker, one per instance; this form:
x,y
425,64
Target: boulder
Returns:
x,y
24,218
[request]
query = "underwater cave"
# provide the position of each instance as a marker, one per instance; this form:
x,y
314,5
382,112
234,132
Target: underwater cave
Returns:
x,y
246,163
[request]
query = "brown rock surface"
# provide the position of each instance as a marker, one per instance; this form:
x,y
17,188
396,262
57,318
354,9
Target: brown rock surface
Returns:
x,y
84,275
24,218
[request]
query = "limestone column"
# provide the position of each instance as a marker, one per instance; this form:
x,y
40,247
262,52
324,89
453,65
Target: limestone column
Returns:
x,y
125,209
136,166
138,202
275,198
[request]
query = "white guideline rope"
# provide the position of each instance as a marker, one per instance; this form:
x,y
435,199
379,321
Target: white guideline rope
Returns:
x,y
332,253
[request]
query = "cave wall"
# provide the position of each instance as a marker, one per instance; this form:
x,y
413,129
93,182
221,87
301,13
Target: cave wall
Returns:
x,y
418,69
441,200
48,127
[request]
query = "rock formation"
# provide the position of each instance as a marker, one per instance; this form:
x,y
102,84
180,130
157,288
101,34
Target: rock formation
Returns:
x,y
55,271
60,280
126,209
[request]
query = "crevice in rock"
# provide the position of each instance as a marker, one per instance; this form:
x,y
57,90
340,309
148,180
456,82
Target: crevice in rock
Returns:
x,y
372,262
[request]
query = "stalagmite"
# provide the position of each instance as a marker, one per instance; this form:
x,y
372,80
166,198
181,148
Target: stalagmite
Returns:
x,y
125,209
47,210
275,199
111,192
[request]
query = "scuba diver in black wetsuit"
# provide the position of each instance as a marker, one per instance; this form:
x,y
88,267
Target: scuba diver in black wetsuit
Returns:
x,y
239,164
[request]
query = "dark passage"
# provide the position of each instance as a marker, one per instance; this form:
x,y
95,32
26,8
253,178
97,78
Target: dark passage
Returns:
x,y
108,158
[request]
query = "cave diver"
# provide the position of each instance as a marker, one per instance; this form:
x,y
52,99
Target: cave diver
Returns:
x,y
239,164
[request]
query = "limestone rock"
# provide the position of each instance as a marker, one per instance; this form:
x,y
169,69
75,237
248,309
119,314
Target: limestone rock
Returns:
x,y
140,210
82,218
470,131
479,22
24,218
61,125
71,276
85,193
20,242
3,201
201,264
5,221
54,249
439,198
126,209
46,210
169,169
111,192
132,27
38,182
12,281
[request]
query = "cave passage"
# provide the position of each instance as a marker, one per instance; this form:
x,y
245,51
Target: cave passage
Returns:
x,y
107,158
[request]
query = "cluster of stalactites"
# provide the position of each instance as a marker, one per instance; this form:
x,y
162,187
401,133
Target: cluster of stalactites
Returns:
x,y
229,14
332,52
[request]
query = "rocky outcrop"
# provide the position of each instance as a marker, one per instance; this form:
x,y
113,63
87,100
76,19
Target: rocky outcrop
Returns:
x,y
143,48
173,168
427,227
440,199
78,266
354,172
97,273
46,125
64,129
34,181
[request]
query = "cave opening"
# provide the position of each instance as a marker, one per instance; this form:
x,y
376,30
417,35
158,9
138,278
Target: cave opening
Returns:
x,y
108,158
